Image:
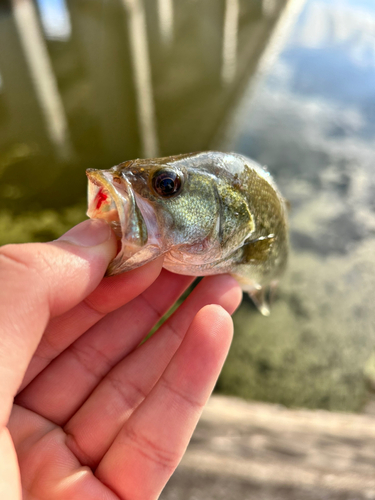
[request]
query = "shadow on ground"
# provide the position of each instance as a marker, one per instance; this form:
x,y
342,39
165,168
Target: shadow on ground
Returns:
x,y
249,451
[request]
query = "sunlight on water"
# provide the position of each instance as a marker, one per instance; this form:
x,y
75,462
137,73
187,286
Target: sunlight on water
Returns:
x,y
55,19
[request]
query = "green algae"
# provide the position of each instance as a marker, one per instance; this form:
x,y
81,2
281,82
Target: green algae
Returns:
x,y
312,350
43,225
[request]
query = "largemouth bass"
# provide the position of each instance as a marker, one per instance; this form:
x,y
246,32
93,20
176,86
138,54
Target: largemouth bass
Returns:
x,y
207,213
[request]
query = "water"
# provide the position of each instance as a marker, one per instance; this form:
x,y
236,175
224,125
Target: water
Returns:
x,y
311,120
90,84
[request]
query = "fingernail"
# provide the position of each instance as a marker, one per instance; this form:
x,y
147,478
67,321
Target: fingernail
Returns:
x,y
88,233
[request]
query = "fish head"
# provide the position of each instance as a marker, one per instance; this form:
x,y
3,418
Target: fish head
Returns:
x,y
157,206
111,197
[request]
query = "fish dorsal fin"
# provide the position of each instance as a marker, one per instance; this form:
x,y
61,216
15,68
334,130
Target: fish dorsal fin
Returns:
x,y
258,250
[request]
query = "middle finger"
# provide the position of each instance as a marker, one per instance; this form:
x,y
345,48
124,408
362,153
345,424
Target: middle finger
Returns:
x,y
58,391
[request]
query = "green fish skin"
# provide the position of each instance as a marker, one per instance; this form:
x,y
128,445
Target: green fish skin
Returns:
x,y
207,213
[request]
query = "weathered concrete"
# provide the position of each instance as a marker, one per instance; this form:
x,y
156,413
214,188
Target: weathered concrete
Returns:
x,y
244,451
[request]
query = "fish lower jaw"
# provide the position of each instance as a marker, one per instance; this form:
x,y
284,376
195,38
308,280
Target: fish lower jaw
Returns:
x,y
131,258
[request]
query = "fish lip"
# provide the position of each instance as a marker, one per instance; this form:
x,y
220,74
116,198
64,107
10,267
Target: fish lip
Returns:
x,y
119,212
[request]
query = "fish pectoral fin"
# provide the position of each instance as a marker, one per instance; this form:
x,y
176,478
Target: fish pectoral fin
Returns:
x,y
258,296
258,250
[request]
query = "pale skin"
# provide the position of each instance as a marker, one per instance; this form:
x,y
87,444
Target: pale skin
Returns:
x,y
85,411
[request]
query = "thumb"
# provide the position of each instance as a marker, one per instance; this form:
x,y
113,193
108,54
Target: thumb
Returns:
x,y
39,281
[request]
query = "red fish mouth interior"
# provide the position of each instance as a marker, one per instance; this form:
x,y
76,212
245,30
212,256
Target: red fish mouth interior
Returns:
x,y
102,205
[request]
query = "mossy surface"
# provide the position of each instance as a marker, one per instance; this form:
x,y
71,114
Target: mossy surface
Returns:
x,y
312,350
43,225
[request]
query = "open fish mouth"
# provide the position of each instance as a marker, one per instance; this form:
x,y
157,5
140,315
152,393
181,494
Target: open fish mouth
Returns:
x,y
111,198
105,201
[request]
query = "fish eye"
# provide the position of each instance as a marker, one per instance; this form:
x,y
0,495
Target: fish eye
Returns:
x,y
166,183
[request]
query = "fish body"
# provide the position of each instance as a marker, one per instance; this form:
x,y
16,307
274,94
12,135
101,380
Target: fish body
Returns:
x,y
207,213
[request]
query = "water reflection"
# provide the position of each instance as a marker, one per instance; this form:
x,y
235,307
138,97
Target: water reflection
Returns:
x,y
140,57
55,19
42,75
230,35
89,84
165,12
311,121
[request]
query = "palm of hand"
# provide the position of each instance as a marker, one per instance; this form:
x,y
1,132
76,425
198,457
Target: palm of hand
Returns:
x,y
100,416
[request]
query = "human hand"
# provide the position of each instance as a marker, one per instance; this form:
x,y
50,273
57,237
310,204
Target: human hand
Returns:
x,y
95,416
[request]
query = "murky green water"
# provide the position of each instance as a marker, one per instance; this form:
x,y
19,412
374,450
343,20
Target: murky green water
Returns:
x,y
311,119
90,83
